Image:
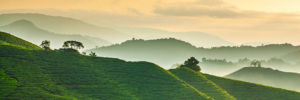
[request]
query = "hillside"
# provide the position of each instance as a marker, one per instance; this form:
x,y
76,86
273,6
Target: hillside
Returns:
x,y
65,25
8,39
164,52
28,31
68,75
201,83
250,91
293,57
268,76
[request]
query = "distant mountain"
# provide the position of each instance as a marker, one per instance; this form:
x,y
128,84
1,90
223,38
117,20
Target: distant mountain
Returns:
x,y
8,39
257,43
268,76
28,31
292,57
250,91
167,52
198,39
201,83
218,67
164,52
65,25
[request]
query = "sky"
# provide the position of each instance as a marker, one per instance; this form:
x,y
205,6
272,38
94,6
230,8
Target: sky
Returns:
x,y
237,21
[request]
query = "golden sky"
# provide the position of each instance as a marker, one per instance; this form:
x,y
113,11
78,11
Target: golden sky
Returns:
x,y
238,21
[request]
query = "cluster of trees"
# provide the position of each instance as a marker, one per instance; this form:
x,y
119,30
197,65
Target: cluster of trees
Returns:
x,y
192,63
72,45
45,45
255,63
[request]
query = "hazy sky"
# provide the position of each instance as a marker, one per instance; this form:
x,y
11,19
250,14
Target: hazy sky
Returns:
x,y
237,21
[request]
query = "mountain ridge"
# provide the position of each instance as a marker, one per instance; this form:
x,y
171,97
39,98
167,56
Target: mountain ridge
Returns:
x,y
29,31
267,76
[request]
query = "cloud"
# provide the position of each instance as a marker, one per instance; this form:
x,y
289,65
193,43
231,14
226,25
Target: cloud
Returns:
x,y
134,11
210,8
210,2
197,11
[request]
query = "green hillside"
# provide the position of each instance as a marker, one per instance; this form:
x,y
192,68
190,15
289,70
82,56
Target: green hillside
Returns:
x,y
268,76
250,91
28,31
201,83
8,39
42,74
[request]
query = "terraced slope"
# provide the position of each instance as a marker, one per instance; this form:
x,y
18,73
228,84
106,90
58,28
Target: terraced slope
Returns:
x,y
66,75
201,83
250,91
8,39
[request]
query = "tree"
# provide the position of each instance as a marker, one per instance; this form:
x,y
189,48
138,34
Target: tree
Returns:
x,y
255,63
66,45
93,54
73,45
192,63
45,45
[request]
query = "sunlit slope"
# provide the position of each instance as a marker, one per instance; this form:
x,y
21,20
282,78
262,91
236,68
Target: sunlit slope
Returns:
x,y
250,91
200,82
268,76
68,75
8,39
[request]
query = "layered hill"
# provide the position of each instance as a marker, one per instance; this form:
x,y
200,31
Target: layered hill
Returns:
x,y
28,31
114,34
39,74
198,39
8,39
61,75
65,25
293,57
201,83
268,76
169,51
250,91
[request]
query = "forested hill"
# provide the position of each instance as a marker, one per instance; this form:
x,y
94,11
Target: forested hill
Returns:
x,y
268,76
8,39
176,51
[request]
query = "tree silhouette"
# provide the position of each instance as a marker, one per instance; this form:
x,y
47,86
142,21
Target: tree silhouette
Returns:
x,y
73,45
45,45
255,63
93,54
66,45
192,63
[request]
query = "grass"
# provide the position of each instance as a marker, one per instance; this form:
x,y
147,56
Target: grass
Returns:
x,y
7,39
201,83
70,75
250,91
